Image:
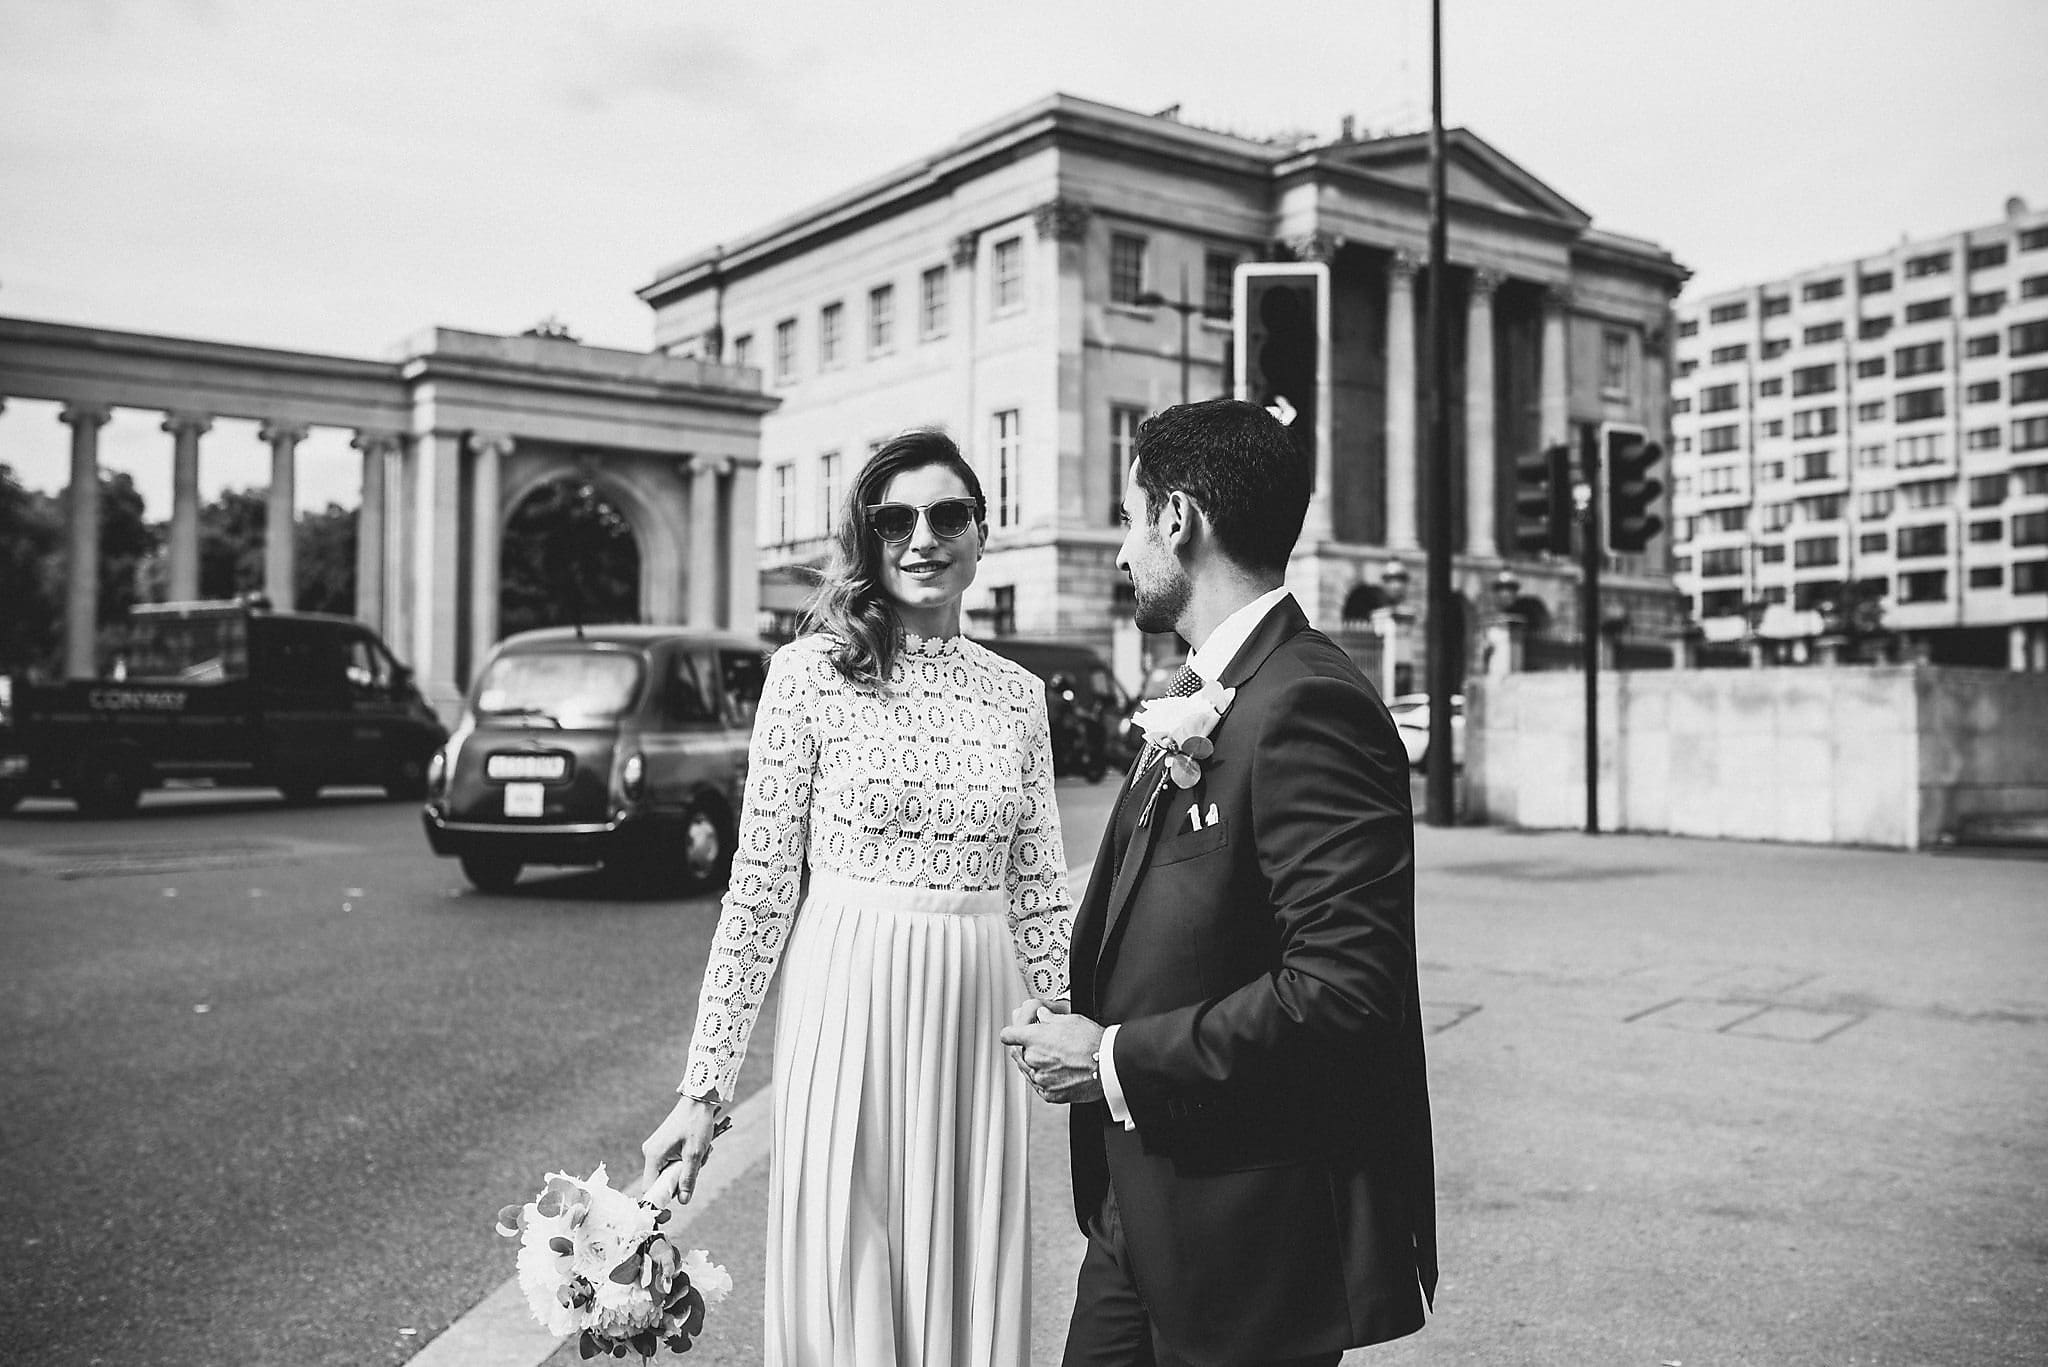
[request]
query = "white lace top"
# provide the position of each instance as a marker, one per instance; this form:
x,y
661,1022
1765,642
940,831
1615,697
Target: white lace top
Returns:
x,y
941,779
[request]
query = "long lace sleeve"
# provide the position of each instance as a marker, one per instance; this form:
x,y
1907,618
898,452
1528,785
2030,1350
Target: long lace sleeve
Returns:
x,y
767,874
1041,913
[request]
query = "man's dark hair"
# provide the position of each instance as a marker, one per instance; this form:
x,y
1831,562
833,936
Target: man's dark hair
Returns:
x,y
1239,465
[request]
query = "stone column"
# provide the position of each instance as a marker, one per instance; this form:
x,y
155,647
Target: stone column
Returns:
x,y
1480,455
82,517
1401,434
371,551
1322,247
436,496
1556,405
185,430
1063,226
486,533
706,472
743,558
964,310
280,561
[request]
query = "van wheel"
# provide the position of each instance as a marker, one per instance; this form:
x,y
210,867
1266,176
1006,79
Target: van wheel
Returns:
x,y
300,792
707,847
491,872
105,783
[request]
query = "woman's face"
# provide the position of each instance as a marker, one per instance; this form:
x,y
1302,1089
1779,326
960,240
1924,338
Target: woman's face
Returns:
x,y
927,574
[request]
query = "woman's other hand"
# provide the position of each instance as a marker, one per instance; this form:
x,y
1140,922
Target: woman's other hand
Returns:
x,y
676,1150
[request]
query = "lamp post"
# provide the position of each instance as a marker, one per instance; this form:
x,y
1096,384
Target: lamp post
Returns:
x,y
1387,623
1504,633
1153,299
1753,622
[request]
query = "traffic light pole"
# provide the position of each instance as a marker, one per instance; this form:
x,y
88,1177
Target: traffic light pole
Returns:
x,y
1440,805
1586,496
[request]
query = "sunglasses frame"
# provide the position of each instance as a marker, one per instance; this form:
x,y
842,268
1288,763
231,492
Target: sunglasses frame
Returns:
x,y
923,511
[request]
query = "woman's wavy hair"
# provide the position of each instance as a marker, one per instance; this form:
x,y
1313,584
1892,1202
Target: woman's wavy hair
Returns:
x,y
850,605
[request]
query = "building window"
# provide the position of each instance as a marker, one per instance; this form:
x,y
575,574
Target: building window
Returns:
x,y
1771,471
1002,610
1874,282
1919,405
785,504
1987,576
1871,410
1875,456
1873,543
1927,308
1681,405
1009,451
2029,386
1720,479
1768,388
1720,563
1006,275
1824,332
828,491
1726,519
1989,302
1688,327
1717,439
1813,593
1815,422
1816,465
2033,479
785,351
1775,347
1721,603
1917,543
1987,532
1874,327
1126,267
2030,529
1681,564
1123,449
1770,553
1819,508
1775,304
1813,379
1219,284
1987,491
1614,362
1773,517
1722,355
1984,258
2029,434
831,333
1983,438
1816,550
2033,239
2027,339
1987,345
881,319
1918,360
1728,313
2034,286
933,296
1934,263
1719,398
743,349
2031,577
1984,391
1928,493
1874,503
1821,289
1924,586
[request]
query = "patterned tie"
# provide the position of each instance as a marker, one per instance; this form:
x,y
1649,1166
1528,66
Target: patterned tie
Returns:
x,y
1185,684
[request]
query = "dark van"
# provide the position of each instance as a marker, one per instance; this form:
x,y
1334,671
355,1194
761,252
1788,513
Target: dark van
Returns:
x,y
1084,703
624,746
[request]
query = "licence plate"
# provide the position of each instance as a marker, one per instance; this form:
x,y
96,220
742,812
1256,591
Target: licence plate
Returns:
x,y
524,799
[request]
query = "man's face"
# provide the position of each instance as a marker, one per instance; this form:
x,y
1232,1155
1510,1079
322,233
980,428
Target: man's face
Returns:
x,y
1158,579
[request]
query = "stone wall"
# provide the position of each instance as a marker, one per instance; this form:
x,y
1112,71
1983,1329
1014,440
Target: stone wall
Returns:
x,y
1896,756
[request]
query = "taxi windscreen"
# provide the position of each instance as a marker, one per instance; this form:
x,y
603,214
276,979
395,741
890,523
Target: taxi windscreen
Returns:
x,y
568,687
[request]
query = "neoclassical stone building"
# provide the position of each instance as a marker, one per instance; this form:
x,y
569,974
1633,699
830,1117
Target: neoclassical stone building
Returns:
x,y
1018,287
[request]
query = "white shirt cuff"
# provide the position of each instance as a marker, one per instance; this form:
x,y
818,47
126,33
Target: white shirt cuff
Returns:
x,y
1112,1090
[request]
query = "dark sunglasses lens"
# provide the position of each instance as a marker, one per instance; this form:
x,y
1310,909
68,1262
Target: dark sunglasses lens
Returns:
x,y
951,518
894,521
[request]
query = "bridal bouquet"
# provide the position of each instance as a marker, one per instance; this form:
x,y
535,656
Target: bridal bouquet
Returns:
x,y
595,1262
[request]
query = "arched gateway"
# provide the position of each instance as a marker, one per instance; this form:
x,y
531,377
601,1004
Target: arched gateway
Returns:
x,y
453,434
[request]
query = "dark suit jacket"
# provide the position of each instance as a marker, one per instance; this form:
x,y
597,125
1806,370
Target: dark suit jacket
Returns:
x,y
1278,1195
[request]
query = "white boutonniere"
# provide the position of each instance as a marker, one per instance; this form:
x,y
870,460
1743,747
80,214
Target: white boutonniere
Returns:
x,y
1179,728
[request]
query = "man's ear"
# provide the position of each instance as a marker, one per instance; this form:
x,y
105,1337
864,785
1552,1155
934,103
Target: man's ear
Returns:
x,y
1180,518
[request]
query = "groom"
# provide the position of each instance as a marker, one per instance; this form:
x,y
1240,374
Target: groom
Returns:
x,y
1250,1131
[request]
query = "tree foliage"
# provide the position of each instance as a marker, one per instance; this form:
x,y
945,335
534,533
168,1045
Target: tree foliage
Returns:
x,y
568,557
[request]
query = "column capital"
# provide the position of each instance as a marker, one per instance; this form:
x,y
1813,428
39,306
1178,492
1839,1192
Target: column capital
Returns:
x,y
1319,245
497,444
711,466
1486,280
1065,220
178,424
85,415
282,434
371,442
1404,265
964,248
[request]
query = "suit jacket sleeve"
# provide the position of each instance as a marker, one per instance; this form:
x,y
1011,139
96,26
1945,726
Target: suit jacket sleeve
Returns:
x,y
1334,839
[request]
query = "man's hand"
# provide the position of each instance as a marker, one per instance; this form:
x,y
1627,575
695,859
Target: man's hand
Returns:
x,y
1057,1052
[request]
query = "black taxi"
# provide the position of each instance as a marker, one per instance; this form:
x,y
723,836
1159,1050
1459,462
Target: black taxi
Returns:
x,y
624,746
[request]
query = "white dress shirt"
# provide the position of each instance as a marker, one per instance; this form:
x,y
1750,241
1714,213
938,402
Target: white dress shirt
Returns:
x,y
1209,659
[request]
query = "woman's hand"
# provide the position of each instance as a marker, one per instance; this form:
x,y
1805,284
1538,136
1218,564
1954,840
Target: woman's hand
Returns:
x,y
677,1149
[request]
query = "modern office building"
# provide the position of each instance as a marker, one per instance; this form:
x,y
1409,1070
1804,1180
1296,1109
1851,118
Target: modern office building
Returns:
x,y
1861,456
1042,283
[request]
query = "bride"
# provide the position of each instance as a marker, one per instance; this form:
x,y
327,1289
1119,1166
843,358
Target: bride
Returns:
x,y
909,772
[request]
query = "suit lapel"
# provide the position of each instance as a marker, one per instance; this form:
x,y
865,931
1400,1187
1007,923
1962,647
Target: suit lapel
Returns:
x,y
1086,945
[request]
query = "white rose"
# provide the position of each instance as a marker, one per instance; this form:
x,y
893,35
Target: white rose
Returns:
x,y
1171,722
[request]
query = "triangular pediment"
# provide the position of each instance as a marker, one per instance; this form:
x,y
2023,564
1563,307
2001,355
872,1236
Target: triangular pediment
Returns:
x,y
1476,172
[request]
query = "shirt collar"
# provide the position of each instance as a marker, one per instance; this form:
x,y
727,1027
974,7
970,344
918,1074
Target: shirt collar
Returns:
x,y
1214,655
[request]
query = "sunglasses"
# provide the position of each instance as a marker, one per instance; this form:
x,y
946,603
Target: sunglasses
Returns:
x,y
896,522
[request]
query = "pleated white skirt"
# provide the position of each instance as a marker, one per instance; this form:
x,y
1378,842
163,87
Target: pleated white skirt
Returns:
x,y
898,1205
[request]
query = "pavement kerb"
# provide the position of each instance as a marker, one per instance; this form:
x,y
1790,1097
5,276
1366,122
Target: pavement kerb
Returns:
x,y
499,1330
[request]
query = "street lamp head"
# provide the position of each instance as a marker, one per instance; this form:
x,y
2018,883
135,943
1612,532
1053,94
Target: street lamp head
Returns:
x,y
1394,579
1507,590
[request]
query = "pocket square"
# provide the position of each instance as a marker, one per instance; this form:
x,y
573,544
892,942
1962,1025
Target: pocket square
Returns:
x,y
1213,817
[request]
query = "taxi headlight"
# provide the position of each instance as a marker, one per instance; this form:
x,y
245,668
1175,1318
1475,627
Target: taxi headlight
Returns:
x,y
437,772
632,774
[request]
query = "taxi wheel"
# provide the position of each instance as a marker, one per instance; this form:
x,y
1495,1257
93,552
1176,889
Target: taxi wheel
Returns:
x,y
707,847
491,872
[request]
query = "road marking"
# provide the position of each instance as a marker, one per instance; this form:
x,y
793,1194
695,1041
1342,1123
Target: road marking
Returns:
x,y
499,1330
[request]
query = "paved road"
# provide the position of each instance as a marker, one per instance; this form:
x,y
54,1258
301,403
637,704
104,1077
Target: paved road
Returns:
x,y
1697,1102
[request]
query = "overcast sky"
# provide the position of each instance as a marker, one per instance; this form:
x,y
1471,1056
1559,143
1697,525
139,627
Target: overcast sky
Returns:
x,y
333,175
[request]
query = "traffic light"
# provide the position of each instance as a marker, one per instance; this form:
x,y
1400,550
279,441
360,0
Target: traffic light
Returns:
x,y
1281,342
1632,495
1543,502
